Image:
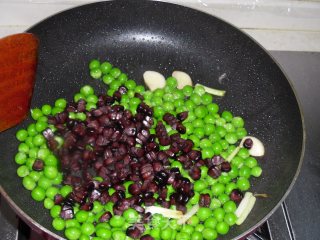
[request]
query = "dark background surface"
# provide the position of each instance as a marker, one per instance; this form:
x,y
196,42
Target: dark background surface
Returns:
x,y
299,216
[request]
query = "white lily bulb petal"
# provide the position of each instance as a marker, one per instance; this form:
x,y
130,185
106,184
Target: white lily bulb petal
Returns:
x,y
183,79
247,210
154,80
169,213
188,215
244,202
257,149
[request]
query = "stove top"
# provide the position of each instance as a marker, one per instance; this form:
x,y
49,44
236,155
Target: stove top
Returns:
x,y
298,216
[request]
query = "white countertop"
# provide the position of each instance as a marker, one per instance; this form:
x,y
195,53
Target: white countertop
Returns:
x,y
283,25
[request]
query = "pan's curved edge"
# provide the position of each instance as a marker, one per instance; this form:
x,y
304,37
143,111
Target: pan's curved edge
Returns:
x,y
33,223
27,219
299,107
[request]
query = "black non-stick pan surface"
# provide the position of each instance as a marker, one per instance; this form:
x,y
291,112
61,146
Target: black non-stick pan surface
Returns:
x,y
140,35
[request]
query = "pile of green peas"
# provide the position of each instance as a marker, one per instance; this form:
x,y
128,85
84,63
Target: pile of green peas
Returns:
x,y
213,133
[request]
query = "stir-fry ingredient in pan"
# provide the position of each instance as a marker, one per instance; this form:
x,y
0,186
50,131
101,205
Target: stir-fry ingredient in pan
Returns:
x,y
139,164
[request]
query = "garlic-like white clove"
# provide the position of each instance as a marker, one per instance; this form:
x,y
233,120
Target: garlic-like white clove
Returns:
x,y
154,80
244,202
246,210
257,149
183,79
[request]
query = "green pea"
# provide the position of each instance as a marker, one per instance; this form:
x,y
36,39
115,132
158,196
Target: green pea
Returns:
x,y
222,228
35,175
229,206
58,179
218,213
44,182
250,162
55,211
130,215
94,63
77,97
198,123
199,132
87,228
166,233
245,171
36,113
84,237
104,233
231,138
203,213
38,194
187,90
201,111
215,203
40,126
140,89
243,153
221,131
205,143
241,133
95,73
105,67
92,99
224,144
227,116
38,140
230,218
97,207
58,224
214,137
195,139
72,233
60,103
182,236
20,158
237,161
217,188
217,148
208,129
224,178
168,106
195,98
86,90
243,184
256,171
118,235
210,222
72,223
209,234
207,153
50,172
155,233
107,79
22,171
65,190
116,221
48,203
82,216
199,185
51,192
46,109
23,147
213,108
229,187
28,183
32,130
22,135
56,110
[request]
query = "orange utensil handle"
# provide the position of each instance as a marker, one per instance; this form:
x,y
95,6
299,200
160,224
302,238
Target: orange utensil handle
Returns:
x,y
18,62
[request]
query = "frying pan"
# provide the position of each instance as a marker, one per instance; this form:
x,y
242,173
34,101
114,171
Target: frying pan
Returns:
x,y
141,35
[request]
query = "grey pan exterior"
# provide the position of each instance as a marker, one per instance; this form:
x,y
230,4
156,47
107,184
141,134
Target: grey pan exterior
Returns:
x,y
143,35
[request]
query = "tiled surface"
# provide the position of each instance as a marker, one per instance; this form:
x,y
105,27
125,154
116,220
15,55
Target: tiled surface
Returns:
x,y
276,24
